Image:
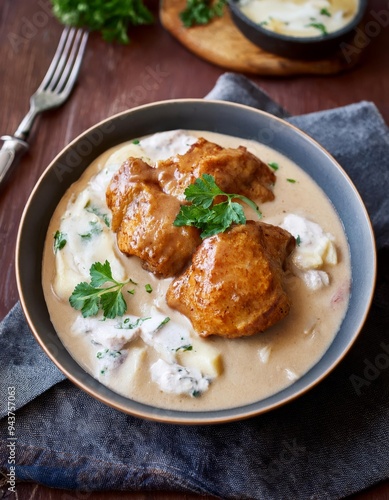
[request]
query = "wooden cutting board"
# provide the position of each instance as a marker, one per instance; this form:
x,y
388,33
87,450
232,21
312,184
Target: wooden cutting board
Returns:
x,y
221,43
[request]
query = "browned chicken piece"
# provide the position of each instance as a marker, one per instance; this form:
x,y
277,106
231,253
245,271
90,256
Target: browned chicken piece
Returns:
x,y
143,218
235,171
118,196
234,286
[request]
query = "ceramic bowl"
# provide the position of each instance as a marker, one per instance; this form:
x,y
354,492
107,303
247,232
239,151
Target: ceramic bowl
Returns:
x,y
216,116
317,47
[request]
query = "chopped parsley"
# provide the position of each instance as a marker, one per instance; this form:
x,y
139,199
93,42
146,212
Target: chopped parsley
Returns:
x,y
274,165
211,218
136,141
127,325
59,241
325,12
199,12
298,240
292,181
91,297
108,352
163,323
184,348
102,215
95,229
318,26
148,288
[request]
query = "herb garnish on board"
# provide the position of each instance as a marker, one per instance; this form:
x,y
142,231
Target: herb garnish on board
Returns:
x,y
199,12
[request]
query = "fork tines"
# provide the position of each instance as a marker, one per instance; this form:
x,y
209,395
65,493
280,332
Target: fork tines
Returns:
x,y
64,68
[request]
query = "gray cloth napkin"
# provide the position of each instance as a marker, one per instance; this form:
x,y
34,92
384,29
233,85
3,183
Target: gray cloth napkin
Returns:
x,y
329,443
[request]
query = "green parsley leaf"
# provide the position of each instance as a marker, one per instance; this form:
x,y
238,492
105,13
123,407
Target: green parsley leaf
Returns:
x,y
292,181
184,348
325,12
107,352
163,323
318,26
127,325
203,191
199,12
148,288
136,141
95,229
298,240
100,274
85,298
59,241
211,218
102,215
191,215
113,304
274,165
101,354
89,298
110,18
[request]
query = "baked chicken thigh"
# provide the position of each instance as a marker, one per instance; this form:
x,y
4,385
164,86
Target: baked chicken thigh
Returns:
x,y
143,216
234,286
235,171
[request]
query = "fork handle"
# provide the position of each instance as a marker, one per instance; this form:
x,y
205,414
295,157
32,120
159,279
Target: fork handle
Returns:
x,y
11,151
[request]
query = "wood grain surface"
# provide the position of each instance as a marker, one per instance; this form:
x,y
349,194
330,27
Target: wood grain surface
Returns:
x,y
114,78
221,43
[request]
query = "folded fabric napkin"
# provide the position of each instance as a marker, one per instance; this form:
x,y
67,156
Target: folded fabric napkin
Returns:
x,y
329,443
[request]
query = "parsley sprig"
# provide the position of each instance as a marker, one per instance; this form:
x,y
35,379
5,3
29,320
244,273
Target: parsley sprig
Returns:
x,y
209,217
110,18
199,12
89,298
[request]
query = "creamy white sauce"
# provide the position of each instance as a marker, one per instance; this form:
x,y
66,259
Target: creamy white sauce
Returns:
x,y
314,250
176,379
300,18
152,354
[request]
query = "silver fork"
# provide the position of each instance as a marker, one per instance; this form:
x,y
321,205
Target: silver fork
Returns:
x,y
55,88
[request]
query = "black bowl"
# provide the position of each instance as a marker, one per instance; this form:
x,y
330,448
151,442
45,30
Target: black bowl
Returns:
x,y
317,47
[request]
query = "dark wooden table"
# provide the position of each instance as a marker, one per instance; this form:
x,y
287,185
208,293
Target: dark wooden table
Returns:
x,y
112,79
